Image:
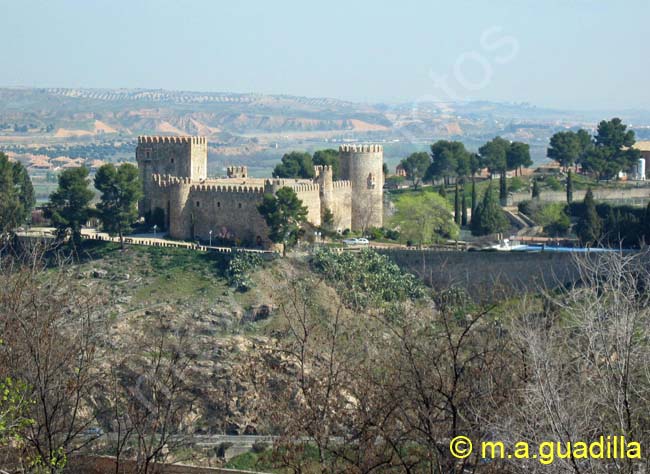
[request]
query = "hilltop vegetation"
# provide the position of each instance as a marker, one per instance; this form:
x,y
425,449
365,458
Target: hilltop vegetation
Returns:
x,y
343,350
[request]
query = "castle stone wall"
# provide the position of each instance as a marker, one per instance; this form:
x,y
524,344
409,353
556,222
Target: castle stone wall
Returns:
x,y
174,173
341,205
309,194
230,212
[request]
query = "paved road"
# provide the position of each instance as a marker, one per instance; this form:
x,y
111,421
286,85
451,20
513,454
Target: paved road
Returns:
x,y
152,240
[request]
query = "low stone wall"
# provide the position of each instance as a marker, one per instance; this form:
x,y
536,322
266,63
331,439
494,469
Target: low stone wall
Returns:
x,y
487,273
631,196
106,465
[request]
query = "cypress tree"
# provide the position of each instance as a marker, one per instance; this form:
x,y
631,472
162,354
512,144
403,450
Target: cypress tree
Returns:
x,y
474,199
536,190
488,217
457,217
611,228
589,225
569,188
646,224
442,191
503,189
464,210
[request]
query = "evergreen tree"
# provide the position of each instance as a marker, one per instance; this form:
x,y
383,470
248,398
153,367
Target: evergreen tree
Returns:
x,y
589,225
518,157
569,187
295,165
503,189
474,198
464,210
327,220
612,150
69,204
330,157
457,216
565,148
536,191
611,229
488,217
442,191
450,159
646,224
121,188
16,195
284,214
416,166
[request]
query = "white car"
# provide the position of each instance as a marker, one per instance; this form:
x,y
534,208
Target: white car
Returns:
x,y
359,241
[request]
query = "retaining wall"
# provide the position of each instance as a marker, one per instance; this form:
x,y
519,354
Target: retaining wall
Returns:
x,y
486,273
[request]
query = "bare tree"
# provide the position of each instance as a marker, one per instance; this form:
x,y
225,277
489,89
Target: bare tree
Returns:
x,y
49,327
586,358
152,392
381,389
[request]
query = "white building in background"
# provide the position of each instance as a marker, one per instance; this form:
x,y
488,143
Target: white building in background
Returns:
x,y
640,170
644,148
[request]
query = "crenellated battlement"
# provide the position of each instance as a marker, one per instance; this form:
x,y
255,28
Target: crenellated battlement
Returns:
x,y
146,139
303,188
361,149
237,171
341,184
226,188
165,180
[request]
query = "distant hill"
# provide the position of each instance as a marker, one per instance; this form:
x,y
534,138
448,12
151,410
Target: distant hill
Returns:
x,y
82,112
255,129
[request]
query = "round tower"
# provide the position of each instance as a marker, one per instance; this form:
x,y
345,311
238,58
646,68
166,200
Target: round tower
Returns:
x,y
323,177
181,213
362,165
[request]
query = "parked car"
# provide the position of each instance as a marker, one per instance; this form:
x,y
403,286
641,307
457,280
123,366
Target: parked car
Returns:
x,y
362,241
350,241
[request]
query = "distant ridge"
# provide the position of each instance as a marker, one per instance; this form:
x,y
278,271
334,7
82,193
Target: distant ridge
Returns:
x,y
182,97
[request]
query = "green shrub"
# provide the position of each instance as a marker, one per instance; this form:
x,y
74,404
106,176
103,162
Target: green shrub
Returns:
x,y
516,184
240,268
553,183
366,277
552,217
376,233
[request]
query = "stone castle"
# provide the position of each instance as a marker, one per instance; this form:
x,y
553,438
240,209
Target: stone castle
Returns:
x,y
176,186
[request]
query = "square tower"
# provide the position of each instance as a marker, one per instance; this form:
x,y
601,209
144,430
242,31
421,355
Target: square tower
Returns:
x,y
181,157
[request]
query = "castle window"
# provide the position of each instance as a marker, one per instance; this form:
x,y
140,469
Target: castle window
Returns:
x,y
198,204
240,205
218,204
371,181
172,160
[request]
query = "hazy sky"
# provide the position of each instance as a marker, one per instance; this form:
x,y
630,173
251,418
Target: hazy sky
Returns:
x,y
586,54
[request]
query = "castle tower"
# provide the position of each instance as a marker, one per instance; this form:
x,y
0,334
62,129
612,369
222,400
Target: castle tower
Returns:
x,y
362,165
183,157
182,220
237,171
323,177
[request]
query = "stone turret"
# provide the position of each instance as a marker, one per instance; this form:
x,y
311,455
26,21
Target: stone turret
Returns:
x,y
362,165
323,177
237,171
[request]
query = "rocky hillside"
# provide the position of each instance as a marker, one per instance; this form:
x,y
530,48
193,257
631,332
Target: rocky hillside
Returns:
x,y
173,292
